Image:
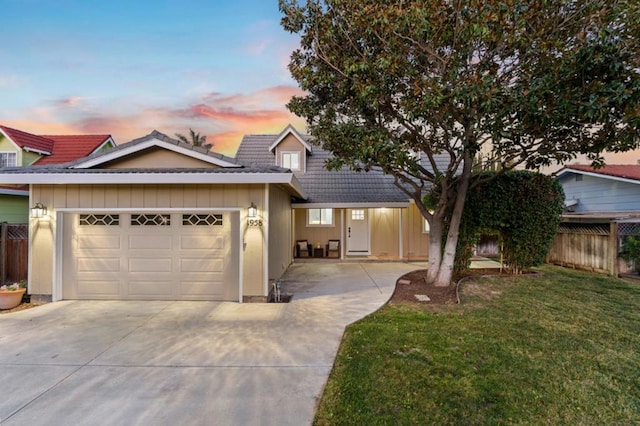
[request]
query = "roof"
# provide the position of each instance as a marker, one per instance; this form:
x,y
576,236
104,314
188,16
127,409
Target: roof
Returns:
x,y
28,141
14,190
87,170
341,188
155,138
623,172
71,147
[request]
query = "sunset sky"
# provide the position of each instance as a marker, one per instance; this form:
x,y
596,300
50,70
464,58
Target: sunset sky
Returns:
x,y
128,67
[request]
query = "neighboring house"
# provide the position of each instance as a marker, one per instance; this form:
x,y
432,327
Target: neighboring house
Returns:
x,y
19,148
602,209
366,212
609,189
159,219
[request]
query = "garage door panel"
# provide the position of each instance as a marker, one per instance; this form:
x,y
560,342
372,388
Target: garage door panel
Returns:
x,y
150,265
155,242
92,264
192,242
203,288
99,288
99,242
154,288
201,265
189,257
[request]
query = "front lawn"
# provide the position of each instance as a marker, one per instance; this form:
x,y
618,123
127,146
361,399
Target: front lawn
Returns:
x,y
561,348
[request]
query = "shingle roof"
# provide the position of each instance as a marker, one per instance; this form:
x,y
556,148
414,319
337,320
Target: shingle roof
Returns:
x,y
626,171
322,186
159,136
71,147
28,140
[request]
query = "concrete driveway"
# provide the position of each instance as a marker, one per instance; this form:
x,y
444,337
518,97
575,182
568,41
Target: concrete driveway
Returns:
x,y
161,363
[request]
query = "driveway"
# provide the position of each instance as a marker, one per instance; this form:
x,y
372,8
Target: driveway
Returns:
x,y
161,363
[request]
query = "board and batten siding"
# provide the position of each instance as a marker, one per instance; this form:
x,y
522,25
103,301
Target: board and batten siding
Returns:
x,y
280,234
176,196
596,194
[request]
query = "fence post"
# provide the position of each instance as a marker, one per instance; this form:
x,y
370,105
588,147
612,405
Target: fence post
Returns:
x,y
3,252
613,246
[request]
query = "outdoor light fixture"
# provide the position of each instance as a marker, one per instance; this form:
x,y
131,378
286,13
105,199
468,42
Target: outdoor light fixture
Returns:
x,y
252,211
38,210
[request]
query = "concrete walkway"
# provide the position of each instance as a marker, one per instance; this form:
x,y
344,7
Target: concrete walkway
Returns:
x,y
168,363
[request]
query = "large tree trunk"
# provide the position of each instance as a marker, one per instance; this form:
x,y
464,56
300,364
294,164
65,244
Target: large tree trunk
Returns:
x,y
447,259
435,248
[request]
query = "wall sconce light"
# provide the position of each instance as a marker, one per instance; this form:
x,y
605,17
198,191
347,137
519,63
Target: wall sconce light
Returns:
x,y
252,211
38,211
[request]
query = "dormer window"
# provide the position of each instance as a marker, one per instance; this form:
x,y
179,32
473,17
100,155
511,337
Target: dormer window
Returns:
x,y
290,160
8,159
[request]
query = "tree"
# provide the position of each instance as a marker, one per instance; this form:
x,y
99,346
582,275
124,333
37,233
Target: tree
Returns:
x,y
195,139
526,82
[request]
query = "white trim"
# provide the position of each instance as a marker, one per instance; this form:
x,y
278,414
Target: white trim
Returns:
x,y
371,205
30,256
18,147
265,230
58,236
287,131
343,242
596,174
299,169
153,142
401,242
322,225
37,151
152,178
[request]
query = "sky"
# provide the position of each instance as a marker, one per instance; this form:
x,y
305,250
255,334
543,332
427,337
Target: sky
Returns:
x,y
127,68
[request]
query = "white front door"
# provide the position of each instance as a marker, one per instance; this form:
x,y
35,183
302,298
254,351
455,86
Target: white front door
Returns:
x,y
358,240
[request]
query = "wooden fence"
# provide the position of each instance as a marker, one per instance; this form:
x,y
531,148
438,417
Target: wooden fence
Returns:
x,y
589,246
14,252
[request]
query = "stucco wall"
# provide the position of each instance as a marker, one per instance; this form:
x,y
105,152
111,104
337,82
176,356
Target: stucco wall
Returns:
x,y
143,197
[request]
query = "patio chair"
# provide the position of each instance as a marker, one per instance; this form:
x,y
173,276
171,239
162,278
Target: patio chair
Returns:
x,y
303,248
333,248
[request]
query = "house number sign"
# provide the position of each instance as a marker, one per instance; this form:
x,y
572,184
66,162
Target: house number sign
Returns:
x,y
254,222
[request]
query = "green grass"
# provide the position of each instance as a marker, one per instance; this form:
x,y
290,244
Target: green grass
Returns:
x,y
563,348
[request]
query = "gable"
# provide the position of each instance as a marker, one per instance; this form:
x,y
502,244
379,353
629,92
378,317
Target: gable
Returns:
x,y
291,145
156,157
290,132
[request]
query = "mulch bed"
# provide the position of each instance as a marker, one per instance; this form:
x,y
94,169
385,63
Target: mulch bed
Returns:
x,y
413,283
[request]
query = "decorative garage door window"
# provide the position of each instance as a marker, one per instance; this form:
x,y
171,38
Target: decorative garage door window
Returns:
x,y
150,220
100,219
202,219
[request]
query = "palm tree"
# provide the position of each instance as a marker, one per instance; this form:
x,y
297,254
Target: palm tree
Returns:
x,y
195,139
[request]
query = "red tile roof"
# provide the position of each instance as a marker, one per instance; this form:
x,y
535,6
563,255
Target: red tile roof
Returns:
x,y
71,147
27,140
626,171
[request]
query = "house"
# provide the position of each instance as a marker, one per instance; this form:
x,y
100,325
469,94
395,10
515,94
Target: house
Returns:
x,y
159,219
366,212
19,148
602,209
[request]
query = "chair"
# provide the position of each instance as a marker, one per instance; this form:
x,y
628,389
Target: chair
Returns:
x,y
303,248
333,248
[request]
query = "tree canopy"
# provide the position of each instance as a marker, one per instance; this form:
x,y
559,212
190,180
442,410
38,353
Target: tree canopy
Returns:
x,y
522,83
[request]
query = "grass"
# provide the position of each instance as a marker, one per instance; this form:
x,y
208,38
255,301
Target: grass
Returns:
x,y
561,348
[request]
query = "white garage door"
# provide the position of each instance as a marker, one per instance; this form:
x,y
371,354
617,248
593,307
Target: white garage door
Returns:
x,y
151,256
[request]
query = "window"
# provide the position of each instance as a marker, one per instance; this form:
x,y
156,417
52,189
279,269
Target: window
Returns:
x,y
8,159
99,219
357,214
150,220
320,217
202,220
291,160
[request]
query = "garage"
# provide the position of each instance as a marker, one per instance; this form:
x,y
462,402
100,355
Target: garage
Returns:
x,y
151,255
